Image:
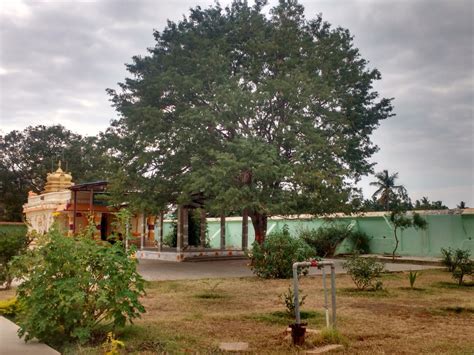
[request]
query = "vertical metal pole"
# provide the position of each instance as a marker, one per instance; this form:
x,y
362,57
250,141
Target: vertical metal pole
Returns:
x,y
333,295
326,309
295,291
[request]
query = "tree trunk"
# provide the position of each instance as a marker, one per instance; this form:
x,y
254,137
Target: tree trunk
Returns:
x,y
396,244
259,222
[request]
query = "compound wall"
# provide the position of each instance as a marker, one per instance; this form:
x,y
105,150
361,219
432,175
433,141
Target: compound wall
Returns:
x,y
447,228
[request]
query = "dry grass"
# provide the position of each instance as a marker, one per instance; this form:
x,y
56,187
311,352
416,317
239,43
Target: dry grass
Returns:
x,y
188,316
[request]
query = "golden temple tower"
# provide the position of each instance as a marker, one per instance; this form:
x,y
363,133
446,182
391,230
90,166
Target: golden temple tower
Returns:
x,y
58,180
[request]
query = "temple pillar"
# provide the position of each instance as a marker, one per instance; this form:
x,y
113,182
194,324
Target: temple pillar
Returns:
x,y
245,229
142,235
185,227
203,228
222,244
179,232
162,221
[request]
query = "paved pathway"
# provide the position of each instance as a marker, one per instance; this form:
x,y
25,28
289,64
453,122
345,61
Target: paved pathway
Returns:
x,y
158,270
10,344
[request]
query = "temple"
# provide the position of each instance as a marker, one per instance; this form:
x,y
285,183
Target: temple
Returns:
x,y
75,206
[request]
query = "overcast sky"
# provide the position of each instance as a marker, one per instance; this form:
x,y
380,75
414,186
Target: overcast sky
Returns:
x,y
57,58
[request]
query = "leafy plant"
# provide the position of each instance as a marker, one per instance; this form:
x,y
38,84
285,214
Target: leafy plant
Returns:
x,y
171,238
73,287
288,299
274,258
364,272
465,267
452,257
458,262
12,243
412,276
211,291
112,345
448,259
360,242
400,221
122,226
325,240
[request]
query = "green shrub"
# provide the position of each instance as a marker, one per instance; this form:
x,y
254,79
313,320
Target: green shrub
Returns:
x,y
365,272
274,258
75,286
452,257
458,262
360,242
171,238
10,307
465,267
13,242
325,240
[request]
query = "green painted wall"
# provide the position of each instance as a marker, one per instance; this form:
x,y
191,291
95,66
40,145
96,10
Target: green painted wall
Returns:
x,y
445,230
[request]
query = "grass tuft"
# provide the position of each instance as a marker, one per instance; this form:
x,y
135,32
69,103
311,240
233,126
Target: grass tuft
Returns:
x,y
328,336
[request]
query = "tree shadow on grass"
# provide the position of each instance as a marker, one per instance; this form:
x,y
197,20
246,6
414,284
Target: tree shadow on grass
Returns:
x,y
283,318
355,292
468,286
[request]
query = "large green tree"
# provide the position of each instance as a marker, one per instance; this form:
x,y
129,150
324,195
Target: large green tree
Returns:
x,y
27,156
265,112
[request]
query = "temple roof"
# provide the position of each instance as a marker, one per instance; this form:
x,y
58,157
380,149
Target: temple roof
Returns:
x,y
88,186
58,180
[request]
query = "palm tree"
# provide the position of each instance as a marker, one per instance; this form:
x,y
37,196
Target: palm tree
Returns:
x,y
462,205
386,188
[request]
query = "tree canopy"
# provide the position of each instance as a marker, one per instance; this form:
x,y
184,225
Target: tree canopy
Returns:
x,y
27,156
267,112
388,193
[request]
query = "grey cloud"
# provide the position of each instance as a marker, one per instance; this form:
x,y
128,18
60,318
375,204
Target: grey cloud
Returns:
x,y
57,58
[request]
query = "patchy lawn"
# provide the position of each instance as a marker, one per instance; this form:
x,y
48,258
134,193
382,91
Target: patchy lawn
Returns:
x,y
195,316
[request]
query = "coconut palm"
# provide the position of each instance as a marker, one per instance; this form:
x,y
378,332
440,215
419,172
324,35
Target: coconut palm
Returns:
x,y
387,191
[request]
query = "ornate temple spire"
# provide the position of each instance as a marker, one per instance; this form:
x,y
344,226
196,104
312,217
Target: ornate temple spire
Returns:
x,y
58,180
